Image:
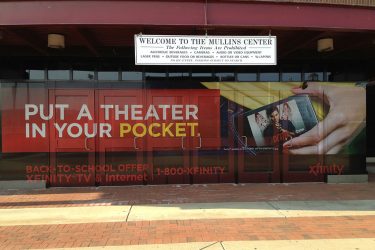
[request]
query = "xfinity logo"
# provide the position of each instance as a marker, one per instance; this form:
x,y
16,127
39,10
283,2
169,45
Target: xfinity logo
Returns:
x,y
326,169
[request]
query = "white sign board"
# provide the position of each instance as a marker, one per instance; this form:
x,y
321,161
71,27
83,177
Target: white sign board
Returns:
x,y
205,50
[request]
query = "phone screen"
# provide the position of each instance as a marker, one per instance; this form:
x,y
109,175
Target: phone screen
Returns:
x,y
279,122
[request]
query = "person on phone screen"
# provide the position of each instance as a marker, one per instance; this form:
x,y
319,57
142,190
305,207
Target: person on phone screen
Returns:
x,y
287,112
261,121
278,130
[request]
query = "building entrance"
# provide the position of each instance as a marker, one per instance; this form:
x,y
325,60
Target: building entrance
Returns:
x,y
72,139
210,133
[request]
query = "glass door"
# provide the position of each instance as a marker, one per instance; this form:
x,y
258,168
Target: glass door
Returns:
x,y
72,137
211,161
167,140
258,161
121,158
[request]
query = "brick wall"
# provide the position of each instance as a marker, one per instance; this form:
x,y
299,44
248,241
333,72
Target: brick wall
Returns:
x,y
366,3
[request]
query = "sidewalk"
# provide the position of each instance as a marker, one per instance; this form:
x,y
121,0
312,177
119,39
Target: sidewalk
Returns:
x,y
216,216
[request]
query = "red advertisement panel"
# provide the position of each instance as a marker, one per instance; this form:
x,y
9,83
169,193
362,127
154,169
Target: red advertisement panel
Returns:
x,y
75,119
16,126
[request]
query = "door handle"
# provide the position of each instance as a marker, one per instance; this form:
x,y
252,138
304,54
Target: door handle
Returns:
x,y
245,140
200,142
182,143
86,147
135,142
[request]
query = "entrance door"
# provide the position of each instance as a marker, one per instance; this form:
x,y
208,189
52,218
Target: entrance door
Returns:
x,y
296,168
72,152
213,163
256,161
121,155
168,149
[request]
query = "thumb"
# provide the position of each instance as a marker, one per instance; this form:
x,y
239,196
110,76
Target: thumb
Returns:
x,y
313,89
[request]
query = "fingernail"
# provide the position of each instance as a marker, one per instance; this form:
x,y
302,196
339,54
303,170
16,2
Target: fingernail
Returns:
x,y
304,85
287,145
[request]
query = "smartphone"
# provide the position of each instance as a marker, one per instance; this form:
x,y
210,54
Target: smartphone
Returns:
x,y
277,122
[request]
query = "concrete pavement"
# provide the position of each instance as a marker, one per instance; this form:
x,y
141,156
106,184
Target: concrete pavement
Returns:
x,y
191,211
219,216
342,244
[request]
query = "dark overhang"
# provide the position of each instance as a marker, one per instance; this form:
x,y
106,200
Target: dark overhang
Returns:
x,y
180,13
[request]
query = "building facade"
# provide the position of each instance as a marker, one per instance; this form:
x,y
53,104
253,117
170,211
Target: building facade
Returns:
x,y
84,114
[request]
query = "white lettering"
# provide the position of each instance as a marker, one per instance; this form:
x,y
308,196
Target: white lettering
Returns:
x,y
177,112
60,129
70,130
62,108
43,116
192,113
136,110
84,112
151,112
164,108
30,109
106,108
105,128
119,112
